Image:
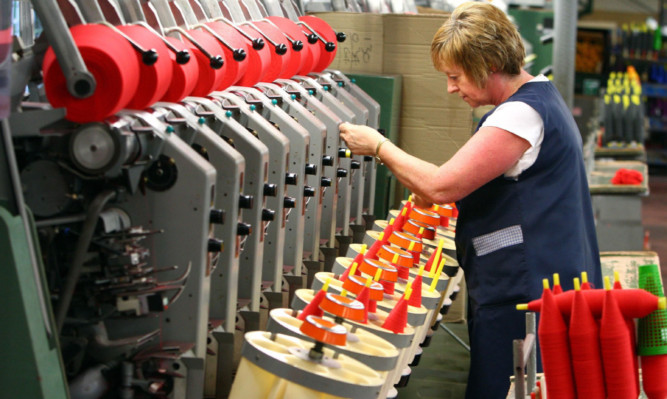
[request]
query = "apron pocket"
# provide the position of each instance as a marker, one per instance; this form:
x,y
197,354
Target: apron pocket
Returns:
x,y
499,239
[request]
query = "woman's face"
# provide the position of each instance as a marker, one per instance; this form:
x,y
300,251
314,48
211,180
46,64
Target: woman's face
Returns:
x,y
458,82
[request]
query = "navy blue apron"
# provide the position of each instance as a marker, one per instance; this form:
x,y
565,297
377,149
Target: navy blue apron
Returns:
x,y
512,233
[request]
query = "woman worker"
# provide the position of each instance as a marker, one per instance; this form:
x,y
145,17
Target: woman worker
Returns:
x,y
519,183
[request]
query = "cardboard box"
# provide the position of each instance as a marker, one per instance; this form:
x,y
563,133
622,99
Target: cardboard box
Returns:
x,y
433,123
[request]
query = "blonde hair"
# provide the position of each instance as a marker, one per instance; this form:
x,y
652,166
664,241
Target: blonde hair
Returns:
x,y
479,38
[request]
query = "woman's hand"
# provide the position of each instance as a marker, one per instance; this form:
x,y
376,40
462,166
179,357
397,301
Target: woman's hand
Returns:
x,y
361,140
421,202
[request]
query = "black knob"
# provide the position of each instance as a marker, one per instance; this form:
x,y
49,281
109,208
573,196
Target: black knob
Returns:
x,y
149,57
327,160
290,178
258,43
268,215
368,158
311,169
312,38
340,36
330,46
354,164
289,202
216,62
297,45
308,191
281,49
341,172
243,229
217,216
270,190
326,182
215,245
245,201
183,57
344,153
239,54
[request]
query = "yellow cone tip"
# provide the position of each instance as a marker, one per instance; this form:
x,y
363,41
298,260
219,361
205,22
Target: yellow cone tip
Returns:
x,y
325,287
617,276
556,279
584,277
408,292
404,211
381,236
343,293
607,283
545,284
577,285
369,281
378,273
353,268
395,259
391,221
364,248
662,303
522,306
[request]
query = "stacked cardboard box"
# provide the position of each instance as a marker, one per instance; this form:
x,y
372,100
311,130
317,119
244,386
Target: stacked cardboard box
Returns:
x,y
433,123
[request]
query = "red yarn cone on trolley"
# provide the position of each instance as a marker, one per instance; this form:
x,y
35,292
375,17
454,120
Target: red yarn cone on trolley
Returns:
x,y
555,349
616,350
584,337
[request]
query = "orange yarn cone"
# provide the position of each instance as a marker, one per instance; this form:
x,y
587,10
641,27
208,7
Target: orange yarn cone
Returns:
x,y
398,317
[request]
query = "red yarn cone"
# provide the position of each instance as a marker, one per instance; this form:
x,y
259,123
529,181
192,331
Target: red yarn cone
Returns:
x,y
388,287
398,317
372,306
416,295
346,273
429,262
373,250
557,287
633,335
313,307
634,303
653,376
552,334
585,349
585,285
616,350
364,297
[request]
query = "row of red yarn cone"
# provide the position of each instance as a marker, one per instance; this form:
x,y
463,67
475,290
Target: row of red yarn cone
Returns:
x,y
125,81
588,342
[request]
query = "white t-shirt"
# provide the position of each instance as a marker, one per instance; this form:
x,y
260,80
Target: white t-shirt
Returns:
x,y
522,120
